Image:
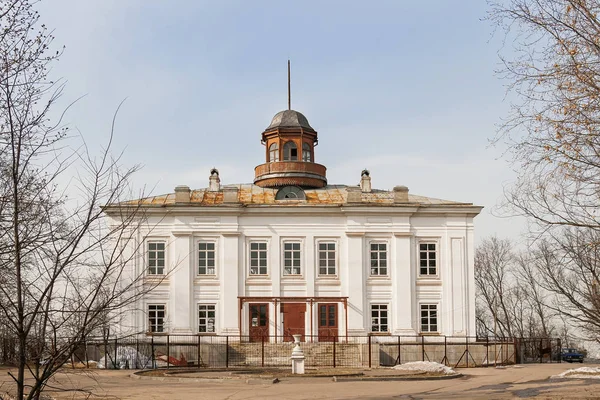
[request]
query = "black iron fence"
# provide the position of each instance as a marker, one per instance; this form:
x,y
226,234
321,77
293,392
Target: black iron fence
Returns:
x,y
169,351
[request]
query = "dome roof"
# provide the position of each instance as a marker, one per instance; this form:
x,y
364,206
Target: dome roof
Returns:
x,y
289,119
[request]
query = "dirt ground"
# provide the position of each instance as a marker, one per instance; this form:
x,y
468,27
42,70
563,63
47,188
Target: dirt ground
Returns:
x,y
529,381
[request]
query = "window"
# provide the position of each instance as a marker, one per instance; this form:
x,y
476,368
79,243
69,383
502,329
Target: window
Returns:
x,y
156,317
291,193
327,259
291,258
429,318
306,152
378,259
273,152
206,258
379,318
258,258
206,318
156,258
427,259
290,151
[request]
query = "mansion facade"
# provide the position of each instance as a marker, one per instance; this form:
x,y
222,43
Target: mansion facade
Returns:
x,y
292,254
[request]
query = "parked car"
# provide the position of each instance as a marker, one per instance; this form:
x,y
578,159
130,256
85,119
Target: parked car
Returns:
x,y
571,355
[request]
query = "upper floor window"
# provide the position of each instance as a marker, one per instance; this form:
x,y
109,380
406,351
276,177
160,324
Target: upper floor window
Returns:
x,y
290,151
378,259
156,258
306,152
258,258
156,317
427,258
379,318
291,193
273,152
429,322
291,258
206,318
206,258
327,264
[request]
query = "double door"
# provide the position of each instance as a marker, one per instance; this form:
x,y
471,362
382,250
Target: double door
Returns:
x,y
328,322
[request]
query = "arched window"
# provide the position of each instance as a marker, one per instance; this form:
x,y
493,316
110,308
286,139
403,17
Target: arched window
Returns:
x,y
273,153
290,151
290,193
306,152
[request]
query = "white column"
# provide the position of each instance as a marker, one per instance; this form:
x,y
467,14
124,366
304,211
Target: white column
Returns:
x,y
404,285
181,279
458,306
355,286
230,275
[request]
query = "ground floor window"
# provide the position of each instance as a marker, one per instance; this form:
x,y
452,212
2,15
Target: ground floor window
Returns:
x,y
379,318
156,317
429,321
206,318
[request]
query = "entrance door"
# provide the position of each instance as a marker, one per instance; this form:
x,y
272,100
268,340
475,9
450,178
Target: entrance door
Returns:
x,y
259,322
328,324
293,320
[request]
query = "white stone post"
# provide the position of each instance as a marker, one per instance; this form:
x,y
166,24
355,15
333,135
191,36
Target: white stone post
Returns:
x,y
297,356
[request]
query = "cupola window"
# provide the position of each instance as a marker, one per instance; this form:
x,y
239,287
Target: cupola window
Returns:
x,y
290,193
306,152
273,153
290,151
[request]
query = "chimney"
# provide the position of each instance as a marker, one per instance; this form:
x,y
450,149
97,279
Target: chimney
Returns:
x,y
365,181
353,194
214,182
400,194
230,194
182,194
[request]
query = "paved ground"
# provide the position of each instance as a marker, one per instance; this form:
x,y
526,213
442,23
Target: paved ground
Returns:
x,y
531,381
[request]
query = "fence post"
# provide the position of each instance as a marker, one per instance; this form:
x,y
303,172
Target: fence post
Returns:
x,y
227,351
198,350
446,350
262,351
369,351
334,352
137,352
422,348
152,346
168,351
115,360
87,358
559,346
399,351
487,351
541,349
466,349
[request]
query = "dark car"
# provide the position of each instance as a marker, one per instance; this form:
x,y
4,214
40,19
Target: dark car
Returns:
x,y
571,355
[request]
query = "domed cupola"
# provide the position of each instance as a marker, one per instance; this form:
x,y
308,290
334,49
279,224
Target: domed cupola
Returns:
x,y
290,152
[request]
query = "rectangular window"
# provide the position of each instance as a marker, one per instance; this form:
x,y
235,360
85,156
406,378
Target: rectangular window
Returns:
x,y
206,258
327,259
291,258
429,318
258,258
379,318
156,317
427,259
379,259
156,258
206,318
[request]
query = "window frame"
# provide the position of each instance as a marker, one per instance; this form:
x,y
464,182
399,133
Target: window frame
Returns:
x,y
274,152
150,325
215,258
429,324
436,259
306,152
379,317
207,317
148,259
336,258
250,250
287,151
300,267
378,242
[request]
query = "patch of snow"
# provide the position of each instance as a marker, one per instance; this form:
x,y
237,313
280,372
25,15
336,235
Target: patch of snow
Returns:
x,y
425,366
580,373
127,357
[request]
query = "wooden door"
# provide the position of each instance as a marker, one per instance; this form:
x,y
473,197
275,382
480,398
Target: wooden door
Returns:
x,y
293,320
328,322
259,322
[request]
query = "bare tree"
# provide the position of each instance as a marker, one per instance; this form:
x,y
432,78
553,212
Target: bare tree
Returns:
x,y
62,263
553,70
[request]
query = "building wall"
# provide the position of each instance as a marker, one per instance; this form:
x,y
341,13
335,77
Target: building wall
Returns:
x,y
232,230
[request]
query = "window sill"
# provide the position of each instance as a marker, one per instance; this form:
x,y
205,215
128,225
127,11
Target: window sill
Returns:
x,y
156,279
326,281
207,281
206,334
157,333
379,280
429,334
380,334
429,282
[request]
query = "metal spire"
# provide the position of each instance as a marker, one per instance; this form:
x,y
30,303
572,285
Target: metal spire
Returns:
x,y
289,88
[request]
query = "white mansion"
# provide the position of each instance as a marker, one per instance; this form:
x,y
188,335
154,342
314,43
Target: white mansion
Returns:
x,y
291,253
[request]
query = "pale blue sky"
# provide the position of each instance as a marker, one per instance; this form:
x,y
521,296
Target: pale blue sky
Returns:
x,y
406,89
